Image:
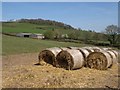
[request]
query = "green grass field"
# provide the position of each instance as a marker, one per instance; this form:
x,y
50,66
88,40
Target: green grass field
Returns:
x,y
16,45
16,27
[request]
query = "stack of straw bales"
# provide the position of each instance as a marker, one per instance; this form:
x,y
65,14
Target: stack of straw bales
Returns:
x,y
75,57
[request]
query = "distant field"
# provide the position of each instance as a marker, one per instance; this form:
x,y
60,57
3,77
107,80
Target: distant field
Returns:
x,y
16,45
30,28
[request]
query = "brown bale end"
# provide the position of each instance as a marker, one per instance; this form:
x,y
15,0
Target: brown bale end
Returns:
x,y
99,60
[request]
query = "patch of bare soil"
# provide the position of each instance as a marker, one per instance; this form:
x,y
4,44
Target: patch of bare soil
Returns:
x,y
20,71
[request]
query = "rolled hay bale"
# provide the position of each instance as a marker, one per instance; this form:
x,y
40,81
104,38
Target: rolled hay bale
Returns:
x,y
99,60
114,57
70,59
85,53
49,55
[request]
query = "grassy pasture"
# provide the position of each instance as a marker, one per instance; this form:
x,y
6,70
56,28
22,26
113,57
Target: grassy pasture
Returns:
x,y
16,45
30,28
21,27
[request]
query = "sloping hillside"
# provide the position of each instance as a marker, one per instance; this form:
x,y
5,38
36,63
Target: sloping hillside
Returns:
x,y
34,26
16,27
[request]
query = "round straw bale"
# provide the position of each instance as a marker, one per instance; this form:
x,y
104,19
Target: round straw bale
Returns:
x,y
85,53
70,59
114,57
49,55
99,60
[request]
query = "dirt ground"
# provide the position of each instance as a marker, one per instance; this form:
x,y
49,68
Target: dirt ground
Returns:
x,y
21,71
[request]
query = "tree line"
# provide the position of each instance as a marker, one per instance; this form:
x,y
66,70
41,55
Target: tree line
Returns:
x,y
45,22
110,37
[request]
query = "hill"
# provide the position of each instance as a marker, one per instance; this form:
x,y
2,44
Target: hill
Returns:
x,y
34,26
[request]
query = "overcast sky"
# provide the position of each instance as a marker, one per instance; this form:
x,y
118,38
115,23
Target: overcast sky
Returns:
x,y
86,15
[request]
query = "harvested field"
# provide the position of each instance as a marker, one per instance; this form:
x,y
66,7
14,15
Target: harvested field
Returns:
x,y
20,71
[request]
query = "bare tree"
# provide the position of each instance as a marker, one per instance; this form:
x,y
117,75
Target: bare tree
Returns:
x,y
113,33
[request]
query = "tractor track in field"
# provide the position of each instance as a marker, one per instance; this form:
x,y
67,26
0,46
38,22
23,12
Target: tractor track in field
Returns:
x,y
21,71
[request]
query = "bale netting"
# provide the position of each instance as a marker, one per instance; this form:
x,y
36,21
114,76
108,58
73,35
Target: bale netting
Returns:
x,y
114,57
99,60
49,55
70,59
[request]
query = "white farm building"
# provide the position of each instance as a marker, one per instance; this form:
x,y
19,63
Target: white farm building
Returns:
x,y
30,35
37,36
23,34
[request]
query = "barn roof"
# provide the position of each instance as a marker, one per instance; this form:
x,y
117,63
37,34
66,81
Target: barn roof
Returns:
x,y
25,33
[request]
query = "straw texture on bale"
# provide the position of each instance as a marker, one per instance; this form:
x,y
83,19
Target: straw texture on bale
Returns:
x,y
84,52
118,56
89,50
99,60
70,59
96,49
107,49
114,57
49,55
115,52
